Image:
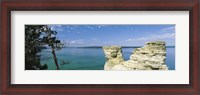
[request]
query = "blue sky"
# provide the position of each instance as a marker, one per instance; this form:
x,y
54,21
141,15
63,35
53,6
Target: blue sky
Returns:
x,y
122,35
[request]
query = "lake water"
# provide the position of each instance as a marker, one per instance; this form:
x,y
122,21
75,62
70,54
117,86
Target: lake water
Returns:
x,y
89,58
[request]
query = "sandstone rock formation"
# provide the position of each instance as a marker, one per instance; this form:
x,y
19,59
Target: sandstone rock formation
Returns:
x,y
150,57
113,56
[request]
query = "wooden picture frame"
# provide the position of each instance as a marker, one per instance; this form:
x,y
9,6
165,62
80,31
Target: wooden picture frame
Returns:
x,y
99,5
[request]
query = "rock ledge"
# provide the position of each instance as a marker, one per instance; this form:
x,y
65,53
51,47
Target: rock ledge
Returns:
x,y
150,57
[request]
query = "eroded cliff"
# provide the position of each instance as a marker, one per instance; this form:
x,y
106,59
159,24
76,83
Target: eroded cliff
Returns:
x,y
150,57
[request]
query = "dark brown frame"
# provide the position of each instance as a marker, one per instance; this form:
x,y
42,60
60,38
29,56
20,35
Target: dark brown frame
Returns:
x,y
193,88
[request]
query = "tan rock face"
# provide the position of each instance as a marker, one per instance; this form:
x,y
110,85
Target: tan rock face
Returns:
x,y
113,55
150,57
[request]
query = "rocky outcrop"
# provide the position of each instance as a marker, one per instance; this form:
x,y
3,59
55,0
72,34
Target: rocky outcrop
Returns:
x,y
113,55
150,57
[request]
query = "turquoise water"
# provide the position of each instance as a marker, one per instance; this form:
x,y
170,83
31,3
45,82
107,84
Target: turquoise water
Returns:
x,y
89,58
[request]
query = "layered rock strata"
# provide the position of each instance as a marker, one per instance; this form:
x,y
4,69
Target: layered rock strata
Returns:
x,y
150,57
113,55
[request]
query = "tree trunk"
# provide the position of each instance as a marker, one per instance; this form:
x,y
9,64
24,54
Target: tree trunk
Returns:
x,y
55,58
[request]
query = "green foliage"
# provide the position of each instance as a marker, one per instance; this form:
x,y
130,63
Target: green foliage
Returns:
x,y
32,47
36,37
50,38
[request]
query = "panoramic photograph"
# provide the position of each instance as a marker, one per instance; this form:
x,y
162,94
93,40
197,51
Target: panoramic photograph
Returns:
x,y
100,47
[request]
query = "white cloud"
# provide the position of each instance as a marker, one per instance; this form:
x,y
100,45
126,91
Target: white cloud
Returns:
x,y
161,37
76,42
167,35
137,39
100,26
90,27
95,26
56,27
168,29
71,28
